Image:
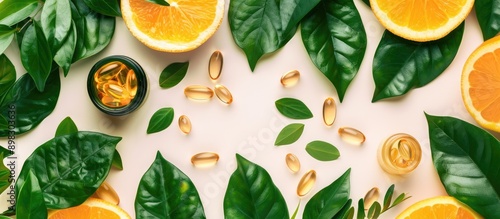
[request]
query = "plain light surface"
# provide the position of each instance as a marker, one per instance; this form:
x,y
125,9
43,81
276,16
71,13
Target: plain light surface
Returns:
x,y
251,123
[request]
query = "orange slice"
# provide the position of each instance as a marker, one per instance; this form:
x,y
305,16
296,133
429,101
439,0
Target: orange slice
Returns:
x,y
421,20
92,208
439,207
480,84
183,26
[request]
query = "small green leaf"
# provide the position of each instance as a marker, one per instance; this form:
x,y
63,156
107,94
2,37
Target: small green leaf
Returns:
x,y
401,197
350,214
161,120
488,16
64,56
6,37
36,55
30,203
361,211
388,197
14,11
374,211
66,127
294,215
159,2
106,7
117,161
322,151
56,22
173,74
289,134
5,177
293,108
7,74
344,212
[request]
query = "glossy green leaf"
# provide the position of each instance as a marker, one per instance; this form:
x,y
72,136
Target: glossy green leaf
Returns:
x,y
66,127
159,2
30,203
36,55
400,64
64,56
94,31
488,16
388,197
326,203
251,193
289,134
361,213
6,37
106,7
374,211
14,11
70,168
30,105
161,120
4,217
173,74
401,197
335,39
7,74
293,108
291,13
466,159
5,177
322,151
345,211
117,161
56,22
166,192
349,214
22,27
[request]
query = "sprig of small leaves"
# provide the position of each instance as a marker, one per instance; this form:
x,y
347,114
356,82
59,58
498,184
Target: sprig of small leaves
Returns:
x,y
376,209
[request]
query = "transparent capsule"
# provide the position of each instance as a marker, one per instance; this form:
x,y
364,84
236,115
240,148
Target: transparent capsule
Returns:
x,y
306,183
131,83
371,197
107,72
329,111
404,149
121,76
198,92
223,94
215,65
110,101
204,159
351,135
184,124
116,91
107,193
292,162
290,78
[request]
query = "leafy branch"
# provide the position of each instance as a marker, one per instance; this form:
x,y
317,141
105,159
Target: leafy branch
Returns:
x,y
376,209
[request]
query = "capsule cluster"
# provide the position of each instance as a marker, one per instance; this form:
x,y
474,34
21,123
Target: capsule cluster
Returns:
x,y
116,84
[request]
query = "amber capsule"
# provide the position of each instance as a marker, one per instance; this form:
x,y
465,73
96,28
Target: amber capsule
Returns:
x,y
131,83
292,162
329,111
399,154
215,65
121,76
184,124
116,91
290,78
371,197
107,72
198,92
223,94
306,183
204,159
351,135
107,193
110,101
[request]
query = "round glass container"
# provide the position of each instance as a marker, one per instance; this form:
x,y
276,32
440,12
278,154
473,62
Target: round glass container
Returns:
x,y
117,85
399,154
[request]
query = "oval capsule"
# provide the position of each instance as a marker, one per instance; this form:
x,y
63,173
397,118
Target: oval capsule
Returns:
x,y
185,124
371,197
292,162
329,111
223,94
351,135
306,183
198,92
204,159
215,65
290,78
107,193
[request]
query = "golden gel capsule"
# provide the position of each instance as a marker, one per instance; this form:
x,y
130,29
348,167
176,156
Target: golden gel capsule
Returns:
x,y
351,135
131,83
111,101
198,92
215,65
107,193
223,94
371,197
121,76
399,154
306,183
290,78
329,111
184,124
292,162
204,159
107,72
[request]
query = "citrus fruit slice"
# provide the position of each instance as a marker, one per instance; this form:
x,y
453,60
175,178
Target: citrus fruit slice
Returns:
x,y
92,208
421,20
180,27
438,208
480,84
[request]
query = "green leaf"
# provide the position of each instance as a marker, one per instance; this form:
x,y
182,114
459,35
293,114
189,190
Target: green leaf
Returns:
x,y
401,197
166,192
66,127
488,16
7,74
6,37
56,22
291,13
106,7
64,56
22,27
30,203
345,211
400,64
94,31
159,2
161,120
117,161
290,134
367,2
5,177
322,151
294,215
388,197
36,55
335,39
293,108
173,74
349,214
251,193
374,211
330,200
466,159
361,211
70,168
14,11
30,105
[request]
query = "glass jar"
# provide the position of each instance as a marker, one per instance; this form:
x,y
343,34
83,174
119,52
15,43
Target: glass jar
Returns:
x,y
399,154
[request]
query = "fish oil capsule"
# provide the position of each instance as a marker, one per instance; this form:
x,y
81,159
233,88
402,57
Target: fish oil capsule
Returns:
x,y
351,135
223,94
131,83
116,91
306,183
110,101
184,124
121,76
204,159
399,154
107,193
404,149
290,78
107,72
329,111
198,92
215,65
371,197
292,162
